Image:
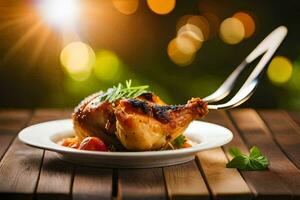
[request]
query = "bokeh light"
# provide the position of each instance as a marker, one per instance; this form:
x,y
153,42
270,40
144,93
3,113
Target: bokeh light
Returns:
x,y
294,82
196,23
181,51
232,31
107,66
126,7
248,22
280,70
193,33
161,7
78,90
77,59
59,13
214,23
293,97
182,21
202,23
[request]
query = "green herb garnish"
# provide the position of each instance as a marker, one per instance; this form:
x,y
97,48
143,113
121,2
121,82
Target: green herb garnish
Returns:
x,y
179,141
120,92
255,161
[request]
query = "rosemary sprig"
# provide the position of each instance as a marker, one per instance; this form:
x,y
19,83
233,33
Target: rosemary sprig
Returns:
x,y
120,92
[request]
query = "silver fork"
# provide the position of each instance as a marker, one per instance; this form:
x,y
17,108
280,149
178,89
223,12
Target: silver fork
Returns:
x,y
267,47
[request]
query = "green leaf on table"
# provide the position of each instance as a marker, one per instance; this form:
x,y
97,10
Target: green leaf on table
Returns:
x,y
239,162
255,152
234,151
255,161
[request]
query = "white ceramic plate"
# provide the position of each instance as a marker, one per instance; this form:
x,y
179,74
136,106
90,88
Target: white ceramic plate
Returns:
x,y
45,135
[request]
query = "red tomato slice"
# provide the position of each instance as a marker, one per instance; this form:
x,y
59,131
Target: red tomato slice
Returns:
x,y
93,144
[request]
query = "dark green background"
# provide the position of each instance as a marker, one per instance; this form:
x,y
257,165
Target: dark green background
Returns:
x,y
140,41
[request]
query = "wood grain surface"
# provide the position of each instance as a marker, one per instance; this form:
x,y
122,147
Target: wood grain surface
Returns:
x,y
20,166
285,132
185,182
11,122
255,133
55,178
92,183
264,184
224,182
141,184
295,115
30,173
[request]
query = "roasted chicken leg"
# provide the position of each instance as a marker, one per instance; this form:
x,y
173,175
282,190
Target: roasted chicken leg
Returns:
x,y
139,124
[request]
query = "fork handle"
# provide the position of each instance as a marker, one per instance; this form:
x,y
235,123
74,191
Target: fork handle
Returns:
x,y
267,47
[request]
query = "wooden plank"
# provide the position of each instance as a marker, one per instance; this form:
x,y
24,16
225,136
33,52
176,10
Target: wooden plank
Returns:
x,y
16,169
223,182
11,122
255,132
12,119
42,115
141,184
264,184
6,138
295,116
285,131
92,183
55,178
185,182
89,183
19,171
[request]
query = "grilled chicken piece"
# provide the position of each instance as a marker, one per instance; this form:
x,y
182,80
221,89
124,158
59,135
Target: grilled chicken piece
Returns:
x,y
96,118
143,123
146,126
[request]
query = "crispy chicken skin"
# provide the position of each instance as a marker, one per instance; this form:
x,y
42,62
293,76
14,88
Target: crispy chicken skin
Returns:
x,y
146,126
96,118
139,124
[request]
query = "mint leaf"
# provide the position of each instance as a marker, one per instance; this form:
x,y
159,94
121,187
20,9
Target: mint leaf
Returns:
x,y
234,151
255,152
255,161
239,162
254,165
263,161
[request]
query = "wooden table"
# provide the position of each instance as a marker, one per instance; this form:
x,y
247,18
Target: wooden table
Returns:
x,y
27,173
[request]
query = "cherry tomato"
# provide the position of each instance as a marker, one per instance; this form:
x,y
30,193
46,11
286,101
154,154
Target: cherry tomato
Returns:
x,y
93,144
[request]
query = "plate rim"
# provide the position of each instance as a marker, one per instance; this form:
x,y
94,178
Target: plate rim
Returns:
x,y
67,150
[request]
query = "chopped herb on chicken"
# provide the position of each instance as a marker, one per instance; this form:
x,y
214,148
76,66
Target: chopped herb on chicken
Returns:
x,y
179,141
